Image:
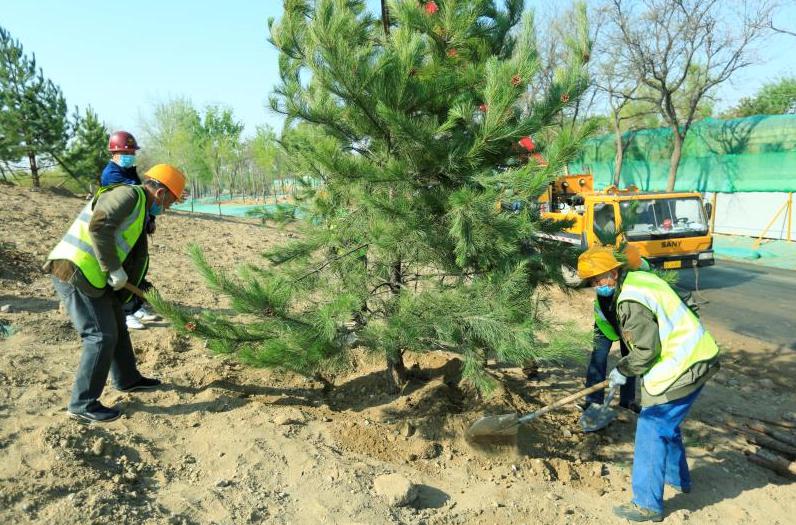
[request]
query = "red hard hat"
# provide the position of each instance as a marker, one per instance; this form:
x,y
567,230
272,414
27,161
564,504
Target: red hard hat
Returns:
x,y
121,141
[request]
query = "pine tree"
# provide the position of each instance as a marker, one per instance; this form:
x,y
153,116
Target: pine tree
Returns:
x,y
33,120
423,232
87,153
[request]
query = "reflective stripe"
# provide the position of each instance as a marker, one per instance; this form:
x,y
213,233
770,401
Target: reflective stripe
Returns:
x,y
80,245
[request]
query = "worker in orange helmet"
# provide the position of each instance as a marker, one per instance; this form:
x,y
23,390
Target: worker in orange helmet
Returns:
x,y
103,248
674,356
606,332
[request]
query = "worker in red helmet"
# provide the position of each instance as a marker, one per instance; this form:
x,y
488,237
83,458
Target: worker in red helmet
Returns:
x,y
121,169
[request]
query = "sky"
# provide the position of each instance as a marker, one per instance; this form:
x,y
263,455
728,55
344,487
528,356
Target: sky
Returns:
x,y
123,58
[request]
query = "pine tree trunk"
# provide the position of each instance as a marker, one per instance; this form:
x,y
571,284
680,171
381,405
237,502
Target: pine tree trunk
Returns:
x,y
674,162
396,369
34,170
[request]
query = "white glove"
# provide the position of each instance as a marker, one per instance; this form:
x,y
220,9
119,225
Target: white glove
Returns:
x,y
117,278
615,378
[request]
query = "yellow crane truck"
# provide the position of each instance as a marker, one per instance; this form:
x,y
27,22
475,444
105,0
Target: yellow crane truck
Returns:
x,y
670,229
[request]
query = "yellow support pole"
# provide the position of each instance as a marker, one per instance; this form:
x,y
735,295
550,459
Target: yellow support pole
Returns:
x,y
713,200
784,206
790,213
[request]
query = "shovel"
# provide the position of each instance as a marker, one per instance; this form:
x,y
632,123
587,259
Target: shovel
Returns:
x,y
134,290
507,424
597,417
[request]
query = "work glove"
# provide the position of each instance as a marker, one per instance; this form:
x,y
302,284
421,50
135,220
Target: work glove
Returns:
x,y
117,278
615,378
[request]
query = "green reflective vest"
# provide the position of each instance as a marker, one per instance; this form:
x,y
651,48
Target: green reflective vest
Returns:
x,y
76,245
600,319
603,324
684,341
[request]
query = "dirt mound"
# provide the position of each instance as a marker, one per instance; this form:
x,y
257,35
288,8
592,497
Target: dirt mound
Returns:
x,y
105,477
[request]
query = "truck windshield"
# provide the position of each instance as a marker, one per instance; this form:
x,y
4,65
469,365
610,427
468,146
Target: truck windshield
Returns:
x,y
663,218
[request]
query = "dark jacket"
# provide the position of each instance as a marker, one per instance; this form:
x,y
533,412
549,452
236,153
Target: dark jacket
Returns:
x,y
115,174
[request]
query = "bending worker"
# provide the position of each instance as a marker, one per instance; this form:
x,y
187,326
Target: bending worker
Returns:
x,y
606,332
105,245
674,356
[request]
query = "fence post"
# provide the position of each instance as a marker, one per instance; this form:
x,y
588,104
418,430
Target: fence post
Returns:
x,y
713,200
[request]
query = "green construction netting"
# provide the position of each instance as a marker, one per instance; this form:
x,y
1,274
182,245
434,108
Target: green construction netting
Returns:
x,y
740,155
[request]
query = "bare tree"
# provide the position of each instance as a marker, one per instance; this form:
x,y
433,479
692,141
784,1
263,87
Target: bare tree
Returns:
x,y
667,42
780,30
618,84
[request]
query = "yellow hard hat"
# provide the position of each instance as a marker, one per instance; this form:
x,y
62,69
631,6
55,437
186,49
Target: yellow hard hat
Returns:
x,y
170,177
595,261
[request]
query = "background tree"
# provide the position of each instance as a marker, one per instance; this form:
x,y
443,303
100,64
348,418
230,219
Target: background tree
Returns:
x,y
87,152
773,98
411,127
219,139
174,135
33,114
264,155
678,45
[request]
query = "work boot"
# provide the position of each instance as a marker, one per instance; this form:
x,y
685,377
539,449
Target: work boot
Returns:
x,y
145,383
632,512
98,414
133,323
145,314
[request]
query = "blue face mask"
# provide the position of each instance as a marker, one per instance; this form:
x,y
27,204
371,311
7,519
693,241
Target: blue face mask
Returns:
x,y
605,290
126,161
156,209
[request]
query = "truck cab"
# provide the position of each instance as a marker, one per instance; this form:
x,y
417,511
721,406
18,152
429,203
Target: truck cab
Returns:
x,y
670,229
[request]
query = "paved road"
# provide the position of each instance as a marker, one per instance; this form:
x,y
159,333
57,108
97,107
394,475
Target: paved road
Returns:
x,y
751,300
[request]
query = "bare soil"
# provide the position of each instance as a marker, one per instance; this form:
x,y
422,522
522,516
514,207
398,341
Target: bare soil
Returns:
x,y
224,444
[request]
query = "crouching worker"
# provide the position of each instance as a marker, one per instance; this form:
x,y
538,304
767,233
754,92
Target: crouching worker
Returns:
x,y
606,332
674,356
105,245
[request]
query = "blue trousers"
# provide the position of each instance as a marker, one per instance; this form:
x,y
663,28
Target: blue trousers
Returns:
x,y
598,367
659,454
106,344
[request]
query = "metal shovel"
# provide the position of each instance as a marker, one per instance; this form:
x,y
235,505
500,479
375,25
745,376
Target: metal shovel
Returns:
x,y
597,417
506,425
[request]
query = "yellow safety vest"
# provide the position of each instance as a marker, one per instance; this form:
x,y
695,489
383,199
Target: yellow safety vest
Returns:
x,y
76,245
684,341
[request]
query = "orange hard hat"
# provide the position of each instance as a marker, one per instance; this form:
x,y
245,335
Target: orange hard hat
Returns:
x,y
595,261
170,177
633,256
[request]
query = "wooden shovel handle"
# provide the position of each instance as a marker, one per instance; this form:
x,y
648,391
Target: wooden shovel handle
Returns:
x,y
570,398
134,289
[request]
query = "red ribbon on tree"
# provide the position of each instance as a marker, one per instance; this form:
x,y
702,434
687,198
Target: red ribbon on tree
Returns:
x,y
430,7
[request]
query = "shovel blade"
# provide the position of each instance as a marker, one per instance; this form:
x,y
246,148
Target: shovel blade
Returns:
x,y
596,417
493,426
